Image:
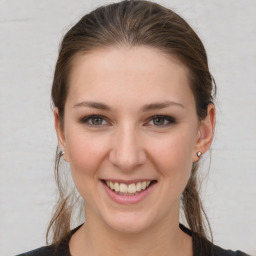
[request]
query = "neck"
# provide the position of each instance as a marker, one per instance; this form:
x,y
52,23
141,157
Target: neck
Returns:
x,y
165,238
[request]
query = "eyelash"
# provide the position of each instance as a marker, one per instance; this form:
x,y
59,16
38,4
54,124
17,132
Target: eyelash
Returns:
x,y
170,120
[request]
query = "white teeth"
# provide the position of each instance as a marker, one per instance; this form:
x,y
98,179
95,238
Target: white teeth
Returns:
x,y
132,188
116,187
128,189
123,188
138,186
111,185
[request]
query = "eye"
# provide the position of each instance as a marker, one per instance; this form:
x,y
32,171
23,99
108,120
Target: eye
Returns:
x,y
160,120
94,120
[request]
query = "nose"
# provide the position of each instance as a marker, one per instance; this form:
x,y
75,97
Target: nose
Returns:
x,y
126,151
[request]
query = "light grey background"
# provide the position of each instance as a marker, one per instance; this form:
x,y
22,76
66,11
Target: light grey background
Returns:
x,y
30,32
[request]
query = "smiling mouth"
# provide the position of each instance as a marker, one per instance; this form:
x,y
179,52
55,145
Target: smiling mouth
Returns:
x,y
129,190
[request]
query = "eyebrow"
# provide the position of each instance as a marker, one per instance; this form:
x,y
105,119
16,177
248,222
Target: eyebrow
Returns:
x,y
148,107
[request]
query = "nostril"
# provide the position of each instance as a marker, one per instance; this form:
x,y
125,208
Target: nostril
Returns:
x,y
127,158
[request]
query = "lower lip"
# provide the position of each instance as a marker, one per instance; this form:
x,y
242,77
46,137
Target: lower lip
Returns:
x,y
123,199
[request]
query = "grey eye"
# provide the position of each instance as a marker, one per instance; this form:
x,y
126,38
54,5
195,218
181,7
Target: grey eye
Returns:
x,y
96,120
159,121
162,121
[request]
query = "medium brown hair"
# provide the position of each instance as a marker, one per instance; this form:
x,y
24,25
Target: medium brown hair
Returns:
x,y
134,23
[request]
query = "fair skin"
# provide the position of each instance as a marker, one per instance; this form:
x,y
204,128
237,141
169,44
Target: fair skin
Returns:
x,y
127,144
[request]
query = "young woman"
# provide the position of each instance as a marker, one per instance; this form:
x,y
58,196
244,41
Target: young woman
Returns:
x,y
134,113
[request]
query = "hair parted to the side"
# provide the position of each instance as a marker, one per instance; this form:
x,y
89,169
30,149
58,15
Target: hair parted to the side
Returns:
x,y
134,23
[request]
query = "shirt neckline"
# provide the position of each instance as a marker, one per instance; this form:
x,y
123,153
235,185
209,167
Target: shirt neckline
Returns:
x,y
64,244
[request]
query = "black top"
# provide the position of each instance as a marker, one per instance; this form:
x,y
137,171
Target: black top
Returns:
x,y
62,249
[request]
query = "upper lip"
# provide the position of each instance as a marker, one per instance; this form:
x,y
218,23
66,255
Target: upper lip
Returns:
x,y
127,182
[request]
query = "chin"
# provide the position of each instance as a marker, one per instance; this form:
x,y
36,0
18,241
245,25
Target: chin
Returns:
x,y
129,223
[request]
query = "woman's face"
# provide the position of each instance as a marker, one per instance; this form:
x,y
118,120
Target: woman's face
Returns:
x,y
130,121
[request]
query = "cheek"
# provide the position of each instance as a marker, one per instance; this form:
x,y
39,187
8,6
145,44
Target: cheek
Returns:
x,y
176,148
173,154
85,151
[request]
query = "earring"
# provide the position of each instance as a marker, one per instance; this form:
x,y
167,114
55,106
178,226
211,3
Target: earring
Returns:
x,y
62,153
199,154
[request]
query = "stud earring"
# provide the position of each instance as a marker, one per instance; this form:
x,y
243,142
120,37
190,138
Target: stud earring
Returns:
x,y
62,153
199,154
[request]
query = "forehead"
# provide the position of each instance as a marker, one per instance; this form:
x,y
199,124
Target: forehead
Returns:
x,y
122,74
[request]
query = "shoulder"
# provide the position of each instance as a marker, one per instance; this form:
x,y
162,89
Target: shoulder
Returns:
x,y
218,251
46,250
49,251
202,246
60,249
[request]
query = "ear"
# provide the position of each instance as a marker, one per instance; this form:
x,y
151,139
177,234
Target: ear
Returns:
x,y
59,131
205,132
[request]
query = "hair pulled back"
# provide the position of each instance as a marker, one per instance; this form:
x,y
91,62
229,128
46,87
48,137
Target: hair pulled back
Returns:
x,y
134,23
